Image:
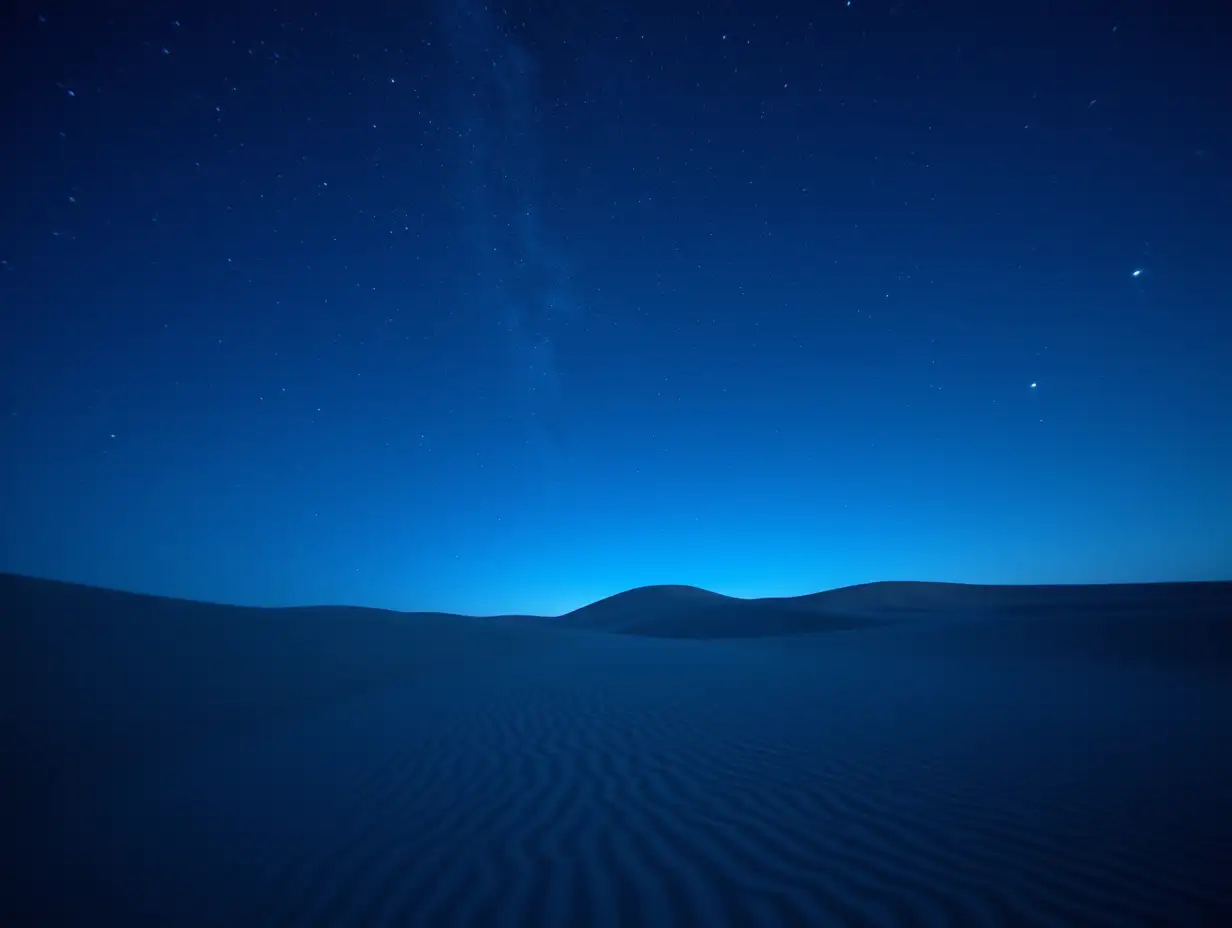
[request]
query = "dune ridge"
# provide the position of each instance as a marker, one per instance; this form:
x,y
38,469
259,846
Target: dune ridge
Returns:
x,y
690,612
105,678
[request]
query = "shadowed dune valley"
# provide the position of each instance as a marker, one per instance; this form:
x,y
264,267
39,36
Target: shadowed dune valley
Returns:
x,y
886,754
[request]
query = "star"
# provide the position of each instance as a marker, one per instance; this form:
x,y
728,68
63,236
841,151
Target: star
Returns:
x,y
1137,272
1033,385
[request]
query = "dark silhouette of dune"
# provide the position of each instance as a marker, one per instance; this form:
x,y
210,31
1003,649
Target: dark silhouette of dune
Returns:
x,y
100,677
641,605
652,613
689,612
176,763
904,599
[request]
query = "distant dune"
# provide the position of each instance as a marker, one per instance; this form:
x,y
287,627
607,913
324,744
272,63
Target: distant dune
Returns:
x,y
906,598
643,604
690,612
667,756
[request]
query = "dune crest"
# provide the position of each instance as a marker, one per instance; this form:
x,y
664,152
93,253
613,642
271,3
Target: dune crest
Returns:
x,y
691,612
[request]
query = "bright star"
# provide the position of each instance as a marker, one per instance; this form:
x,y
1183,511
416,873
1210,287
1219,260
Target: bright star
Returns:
x,y
1137,272
1032,386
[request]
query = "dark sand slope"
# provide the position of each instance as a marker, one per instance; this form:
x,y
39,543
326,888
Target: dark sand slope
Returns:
x,y
98,678
996,764
646,604
689,612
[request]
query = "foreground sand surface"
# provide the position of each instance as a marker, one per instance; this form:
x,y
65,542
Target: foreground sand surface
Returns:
x,y
907,755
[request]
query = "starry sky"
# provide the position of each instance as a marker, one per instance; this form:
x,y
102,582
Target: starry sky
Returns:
x,y
505,308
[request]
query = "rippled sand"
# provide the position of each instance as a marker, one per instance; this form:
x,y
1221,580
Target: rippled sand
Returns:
x,y
343,767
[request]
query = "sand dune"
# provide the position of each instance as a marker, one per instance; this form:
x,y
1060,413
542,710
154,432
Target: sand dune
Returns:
x,y
689,612
646,604
353,767
100,677
906,598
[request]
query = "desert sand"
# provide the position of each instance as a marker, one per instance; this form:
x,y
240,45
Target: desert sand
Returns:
x,y
890,754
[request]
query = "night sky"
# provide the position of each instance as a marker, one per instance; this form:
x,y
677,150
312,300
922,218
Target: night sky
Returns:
x,y
506,308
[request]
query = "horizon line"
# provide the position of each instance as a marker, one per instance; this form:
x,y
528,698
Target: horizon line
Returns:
x,y
601,599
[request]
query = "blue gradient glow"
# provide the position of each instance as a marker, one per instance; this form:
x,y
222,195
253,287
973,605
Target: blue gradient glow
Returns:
x,y
489,309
